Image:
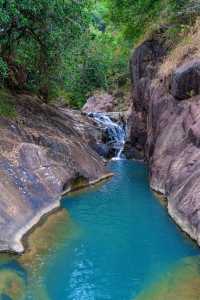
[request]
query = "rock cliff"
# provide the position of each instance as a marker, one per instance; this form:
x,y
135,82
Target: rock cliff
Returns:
x,y
44,151
164,129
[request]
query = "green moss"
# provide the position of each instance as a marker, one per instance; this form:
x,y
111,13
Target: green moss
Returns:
x,y
7,107
79,183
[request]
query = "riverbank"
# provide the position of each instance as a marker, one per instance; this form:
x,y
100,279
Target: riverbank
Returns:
x,y
45,152
22,235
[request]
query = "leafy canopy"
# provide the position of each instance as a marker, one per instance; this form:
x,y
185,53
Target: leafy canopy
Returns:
x,y
36,33
69,48
136,17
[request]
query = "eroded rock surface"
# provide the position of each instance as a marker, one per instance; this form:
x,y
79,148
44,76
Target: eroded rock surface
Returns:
x,y
43,152
167,131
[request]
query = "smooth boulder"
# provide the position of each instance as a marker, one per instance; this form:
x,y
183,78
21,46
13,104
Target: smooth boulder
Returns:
x,y
44,152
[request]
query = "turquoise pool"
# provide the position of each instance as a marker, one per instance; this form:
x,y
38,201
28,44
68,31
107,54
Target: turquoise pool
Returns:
x,y
121,240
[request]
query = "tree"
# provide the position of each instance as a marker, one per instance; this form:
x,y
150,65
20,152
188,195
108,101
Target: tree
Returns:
x,y
137,17
36,33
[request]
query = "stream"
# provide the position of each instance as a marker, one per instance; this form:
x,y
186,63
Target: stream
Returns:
x,y
110,242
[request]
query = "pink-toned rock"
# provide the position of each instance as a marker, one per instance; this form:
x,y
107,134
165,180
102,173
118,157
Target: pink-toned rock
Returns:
x,y
186,78
43,152
172,127
99,103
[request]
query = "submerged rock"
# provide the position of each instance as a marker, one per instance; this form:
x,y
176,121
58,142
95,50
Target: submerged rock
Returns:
x,y
45,239
12,286
180,283
43,152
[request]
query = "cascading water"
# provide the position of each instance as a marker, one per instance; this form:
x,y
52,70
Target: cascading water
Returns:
x,y
115,132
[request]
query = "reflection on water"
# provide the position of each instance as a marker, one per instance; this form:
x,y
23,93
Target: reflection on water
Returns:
x,y
109,243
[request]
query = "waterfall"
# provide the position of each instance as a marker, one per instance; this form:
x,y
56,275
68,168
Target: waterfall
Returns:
x,y
115,132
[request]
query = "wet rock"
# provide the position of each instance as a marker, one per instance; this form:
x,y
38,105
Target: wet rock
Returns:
x,y
45,150
118,117
185,81
103,150
113,133
45,239
136,136
132,152
12,285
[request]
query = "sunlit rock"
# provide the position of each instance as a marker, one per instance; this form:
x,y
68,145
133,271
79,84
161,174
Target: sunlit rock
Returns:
x,y
43,152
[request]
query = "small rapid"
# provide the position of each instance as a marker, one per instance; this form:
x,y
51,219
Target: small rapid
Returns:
x,y
115,132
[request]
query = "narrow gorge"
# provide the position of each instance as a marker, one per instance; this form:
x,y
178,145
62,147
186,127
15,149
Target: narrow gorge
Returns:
x,y
99,150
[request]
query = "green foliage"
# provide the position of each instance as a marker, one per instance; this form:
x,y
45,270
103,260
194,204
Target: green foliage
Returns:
x,y
36,34
95,63
3,70
137,17
7,108
71,48
101,55
65,46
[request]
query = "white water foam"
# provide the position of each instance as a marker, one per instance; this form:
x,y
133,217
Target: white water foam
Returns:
x,y
116,133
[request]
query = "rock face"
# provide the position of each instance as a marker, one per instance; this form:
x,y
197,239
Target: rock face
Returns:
x,y
185,83
119,100
169,130
99,103
43,152
136,135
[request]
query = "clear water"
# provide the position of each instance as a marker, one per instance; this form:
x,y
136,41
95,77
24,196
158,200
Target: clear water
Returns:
x,y
121,241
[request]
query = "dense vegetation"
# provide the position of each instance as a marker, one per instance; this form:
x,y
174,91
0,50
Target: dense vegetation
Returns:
x,y
66,49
